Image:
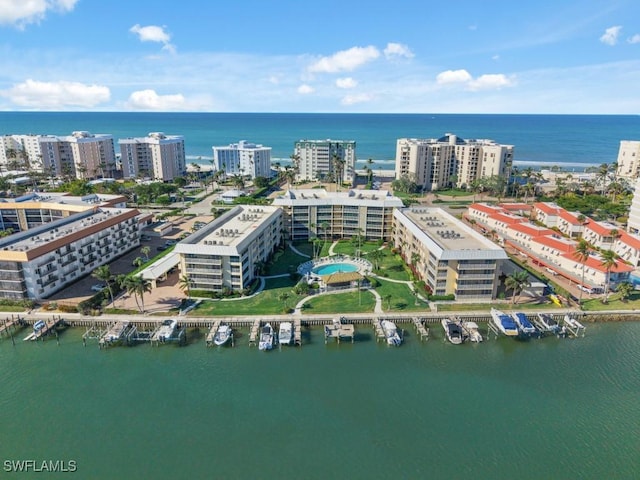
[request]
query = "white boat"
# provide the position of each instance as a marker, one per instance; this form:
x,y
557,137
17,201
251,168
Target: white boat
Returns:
x,y
39,325
548,323
504,323
266,337
222,335
453,331
473,331
167,329
391,333
285,333
525,326
572,322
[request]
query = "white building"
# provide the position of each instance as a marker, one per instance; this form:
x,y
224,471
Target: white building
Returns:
x,y
449,256
62,243
243,158
451,161
225,255
23,150
633,222
82,155
317,159
156,156
628,159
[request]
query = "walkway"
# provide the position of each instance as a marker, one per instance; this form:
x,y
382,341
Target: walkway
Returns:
x,y
299,252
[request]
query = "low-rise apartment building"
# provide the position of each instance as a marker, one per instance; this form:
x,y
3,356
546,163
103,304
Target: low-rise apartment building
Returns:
x,y
226,254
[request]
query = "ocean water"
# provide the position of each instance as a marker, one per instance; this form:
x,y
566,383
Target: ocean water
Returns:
x,y
572,141
502,409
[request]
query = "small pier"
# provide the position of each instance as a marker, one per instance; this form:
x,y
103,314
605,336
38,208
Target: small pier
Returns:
x,y
254,332
158,337
339,330
9,325
297,332
377,328
114,334
421,330
212,333
545,323
572,327
48,328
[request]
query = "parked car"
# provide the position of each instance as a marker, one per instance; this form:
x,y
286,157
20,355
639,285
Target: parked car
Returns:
x,y
161,248
98,287
145,238
169,243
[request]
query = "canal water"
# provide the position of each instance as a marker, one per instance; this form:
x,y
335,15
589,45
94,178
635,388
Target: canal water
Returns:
x,y
503,409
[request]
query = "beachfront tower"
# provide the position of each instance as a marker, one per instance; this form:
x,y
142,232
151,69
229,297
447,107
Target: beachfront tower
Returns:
x,y
451,161
628,159
243,158
20,152
82,155
156,156
319,159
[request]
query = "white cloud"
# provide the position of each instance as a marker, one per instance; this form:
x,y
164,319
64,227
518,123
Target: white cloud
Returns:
x,y
491,82
150,100
495,58
453,76
345,60
634,39
397,50
359,98
347,82
305,89
153,33
610,35
56,95
23,12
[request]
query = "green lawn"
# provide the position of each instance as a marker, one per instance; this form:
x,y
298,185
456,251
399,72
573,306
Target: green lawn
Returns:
x,y
402,299
392,266
454,192
348,302
347,247
283,261
614,303
486,307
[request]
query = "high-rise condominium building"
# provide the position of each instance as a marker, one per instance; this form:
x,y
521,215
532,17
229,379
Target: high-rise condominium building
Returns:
x,y
156,156
628,159
20,152
82,155
451,161
243,158
317,159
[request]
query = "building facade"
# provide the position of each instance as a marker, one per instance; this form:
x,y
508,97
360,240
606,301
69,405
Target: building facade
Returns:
x,y
628,159
20,152
60,246
226,254
82,155
157,156
450,161
243,158
450,257
318,159
316,213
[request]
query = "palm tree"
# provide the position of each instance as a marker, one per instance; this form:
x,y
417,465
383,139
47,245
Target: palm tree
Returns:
x,y
375,256
184,283
283,297
625,289
582,252
517,282
137,286
145,251
104,274
609,260
388,298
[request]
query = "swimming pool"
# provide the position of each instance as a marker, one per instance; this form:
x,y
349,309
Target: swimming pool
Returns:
x,y
335,268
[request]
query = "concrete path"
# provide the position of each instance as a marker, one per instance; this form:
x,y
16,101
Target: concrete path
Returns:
x,y
333,245
299,252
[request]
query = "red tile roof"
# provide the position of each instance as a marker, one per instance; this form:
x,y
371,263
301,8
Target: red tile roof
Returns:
x,y
569,217
531,229
547,208
516,206
508,219
631,240
557,244
483,207
596,264
599,228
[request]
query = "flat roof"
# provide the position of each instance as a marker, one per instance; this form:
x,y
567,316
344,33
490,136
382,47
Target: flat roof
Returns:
x,y
320,196
449,233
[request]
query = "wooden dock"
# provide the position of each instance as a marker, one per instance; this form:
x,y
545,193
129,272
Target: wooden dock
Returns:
x,y
377,327
254,332
49,326
421,330
297,331
114,334
9,324
212,332
339,330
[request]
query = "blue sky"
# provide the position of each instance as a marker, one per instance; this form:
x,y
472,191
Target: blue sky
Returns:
x,y
469,56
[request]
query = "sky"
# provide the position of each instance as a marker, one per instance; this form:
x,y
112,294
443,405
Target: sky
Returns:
x,y
347,56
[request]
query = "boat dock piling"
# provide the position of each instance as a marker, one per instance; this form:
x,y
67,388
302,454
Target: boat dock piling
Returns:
x,y
10,325
297,331
114,334
212,333
377,327
339,330
49,328
180,336
421,330
253,333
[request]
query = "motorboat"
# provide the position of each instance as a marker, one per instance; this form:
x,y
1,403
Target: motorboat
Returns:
x,y
473,331
391,333
285,333
39,325
266,337
525,326
167,329
504,323
453,331
222,335
572,322
548,323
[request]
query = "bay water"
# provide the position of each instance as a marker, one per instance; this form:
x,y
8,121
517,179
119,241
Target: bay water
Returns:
x,y
503,409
